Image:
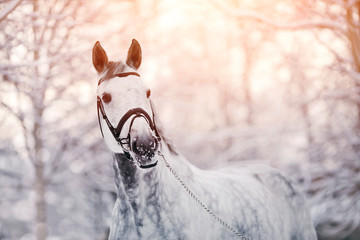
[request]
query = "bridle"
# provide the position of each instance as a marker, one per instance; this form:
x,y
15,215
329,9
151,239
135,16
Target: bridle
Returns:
x,y
134,112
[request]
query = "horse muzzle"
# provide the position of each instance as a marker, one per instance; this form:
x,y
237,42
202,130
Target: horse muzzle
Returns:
x,y
144,148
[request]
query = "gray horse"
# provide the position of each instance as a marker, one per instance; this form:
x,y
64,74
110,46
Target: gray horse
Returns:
x,y
160,195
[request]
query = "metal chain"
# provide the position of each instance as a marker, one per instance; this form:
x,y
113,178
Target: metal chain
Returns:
x,y
187,189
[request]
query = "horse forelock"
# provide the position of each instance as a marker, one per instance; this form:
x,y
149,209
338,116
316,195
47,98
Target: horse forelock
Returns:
x,y
112,69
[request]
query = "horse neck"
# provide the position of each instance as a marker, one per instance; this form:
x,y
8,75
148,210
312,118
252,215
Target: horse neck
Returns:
x,y
135,184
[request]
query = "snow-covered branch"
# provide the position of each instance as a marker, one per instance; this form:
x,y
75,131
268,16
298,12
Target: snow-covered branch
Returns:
x,y
10,174
9,8
283,25
350,3
49,60
19,116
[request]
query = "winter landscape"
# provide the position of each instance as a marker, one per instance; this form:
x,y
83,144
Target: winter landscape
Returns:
x,y
274,82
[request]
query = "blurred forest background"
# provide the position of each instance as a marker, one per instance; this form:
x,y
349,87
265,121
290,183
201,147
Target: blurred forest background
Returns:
x,y
274,81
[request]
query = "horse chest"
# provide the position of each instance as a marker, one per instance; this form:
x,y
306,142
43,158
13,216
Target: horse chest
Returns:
x,y
165,222
156,212
154,205
170,213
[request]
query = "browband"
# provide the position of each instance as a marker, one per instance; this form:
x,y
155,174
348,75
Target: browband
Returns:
x,y
119,75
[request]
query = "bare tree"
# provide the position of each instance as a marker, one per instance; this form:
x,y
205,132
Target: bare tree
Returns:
x,y
11,6
40,66
339,22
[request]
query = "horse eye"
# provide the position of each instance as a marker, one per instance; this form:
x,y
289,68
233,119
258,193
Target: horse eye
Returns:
x,y
148,92
106,98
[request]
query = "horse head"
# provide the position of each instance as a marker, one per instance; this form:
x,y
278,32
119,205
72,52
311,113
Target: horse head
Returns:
x,y
125,112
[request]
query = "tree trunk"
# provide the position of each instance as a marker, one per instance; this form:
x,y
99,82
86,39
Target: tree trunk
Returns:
x,y
37,100
354,41
247,83
40,183
40,188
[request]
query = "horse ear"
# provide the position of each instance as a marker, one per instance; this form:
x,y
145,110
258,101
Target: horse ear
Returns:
x,y
134,55
99,57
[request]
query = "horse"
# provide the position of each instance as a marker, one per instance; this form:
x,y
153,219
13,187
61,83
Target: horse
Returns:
x,y
161,195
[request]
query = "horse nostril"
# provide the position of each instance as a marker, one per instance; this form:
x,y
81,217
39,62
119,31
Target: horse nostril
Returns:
x,y
138,147
153,144
145,146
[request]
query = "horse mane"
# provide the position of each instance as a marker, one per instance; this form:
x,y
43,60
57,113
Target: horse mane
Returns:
x,y
169,143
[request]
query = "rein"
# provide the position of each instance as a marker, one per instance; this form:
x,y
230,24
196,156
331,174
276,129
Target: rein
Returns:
x,y
135,113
